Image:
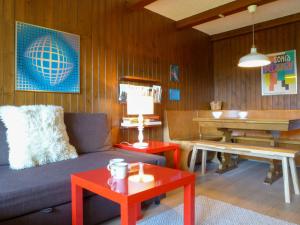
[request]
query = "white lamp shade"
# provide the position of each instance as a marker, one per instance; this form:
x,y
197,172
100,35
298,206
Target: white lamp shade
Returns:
x,y
254,59
137,104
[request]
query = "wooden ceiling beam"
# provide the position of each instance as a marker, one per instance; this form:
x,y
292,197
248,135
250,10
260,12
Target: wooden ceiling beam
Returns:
x,y
259,26
212,14
138,4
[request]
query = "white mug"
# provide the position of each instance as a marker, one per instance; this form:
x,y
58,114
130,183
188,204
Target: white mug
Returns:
x,y
112,161
217,114
243,114
119,170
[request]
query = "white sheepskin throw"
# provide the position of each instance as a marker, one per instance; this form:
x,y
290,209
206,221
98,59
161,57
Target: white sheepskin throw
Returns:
x,y
36,135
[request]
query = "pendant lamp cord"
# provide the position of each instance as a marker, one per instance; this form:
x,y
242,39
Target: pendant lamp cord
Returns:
x,y
253,45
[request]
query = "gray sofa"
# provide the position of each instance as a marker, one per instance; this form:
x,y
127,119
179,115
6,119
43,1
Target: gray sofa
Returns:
x,y
42,195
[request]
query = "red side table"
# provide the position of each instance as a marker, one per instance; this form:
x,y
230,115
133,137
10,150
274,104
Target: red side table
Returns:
x,y
130,194
154,148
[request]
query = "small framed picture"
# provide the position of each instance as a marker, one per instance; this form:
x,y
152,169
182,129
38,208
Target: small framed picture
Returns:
x,y
174,73
174,94
154,91
123,89
157,93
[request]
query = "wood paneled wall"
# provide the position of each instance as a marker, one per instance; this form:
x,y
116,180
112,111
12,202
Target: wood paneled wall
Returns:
x,y
240,88
115,42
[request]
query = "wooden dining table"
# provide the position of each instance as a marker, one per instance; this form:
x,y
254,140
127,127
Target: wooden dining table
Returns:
x,y
227,125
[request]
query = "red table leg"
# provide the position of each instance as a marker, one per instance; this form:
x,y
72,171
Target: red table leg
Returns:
x,y
189,204
138,211
128,214
77,211
176,158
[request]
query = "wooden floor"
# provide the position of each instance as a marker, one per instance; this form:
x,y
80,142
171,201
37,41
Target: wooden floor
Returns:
x,y
242,187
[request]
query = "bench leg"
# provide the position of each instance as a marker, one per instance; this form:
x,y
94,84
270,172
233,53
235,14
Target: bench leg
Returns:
x,y
286,180
294,175
184,157
204,158
193,159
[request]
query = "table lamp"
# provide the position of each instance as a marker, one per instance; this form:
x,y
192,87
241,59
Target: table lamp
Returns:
x,y
140,105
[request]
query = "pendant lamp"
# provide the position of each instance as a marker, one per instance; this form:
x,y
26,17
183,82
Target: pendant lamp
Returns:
x,y
253,59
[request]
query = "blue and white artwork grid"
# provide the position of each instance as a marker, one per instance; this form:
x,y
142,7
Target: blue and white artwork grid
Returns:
x,y
47,60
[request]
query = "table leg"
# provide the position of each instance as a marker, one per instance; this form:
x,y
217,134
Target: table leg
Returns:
x,y
77,210
138,211
285,169
128,214
274,172
189,204
226,161
176,158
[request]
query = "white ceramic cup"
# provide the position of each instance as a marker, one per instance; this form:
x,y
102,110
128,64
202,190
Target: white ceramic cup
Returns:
x,y
119,170
243,114
112,161
217,114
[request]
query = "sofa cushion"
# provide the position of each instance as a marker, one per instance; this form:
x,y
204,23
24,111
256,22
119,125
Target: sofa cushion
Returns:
x,y
88,132
3,145
94,213
94,125
36,135
33,189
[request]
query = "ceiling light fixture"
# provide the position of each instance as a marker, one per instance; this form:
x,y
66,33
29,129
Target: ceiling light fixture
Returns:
x,y
253,59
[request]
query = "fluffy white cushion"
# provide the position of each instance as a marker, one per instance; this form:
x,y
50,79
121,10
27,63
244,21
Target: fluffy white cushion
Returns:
x,y
36,135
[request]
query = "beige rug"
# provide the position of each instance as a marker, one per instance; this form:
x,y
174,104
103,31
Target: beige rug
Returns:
x,y
213,212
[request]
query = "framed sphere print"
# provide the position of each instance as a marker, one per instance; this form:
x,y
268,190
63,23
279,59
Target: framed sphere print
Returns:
x,y
46,60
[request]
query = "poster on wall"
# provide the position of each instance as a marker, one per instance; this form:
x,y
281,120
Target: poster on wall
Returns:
x,y
280,77
46,60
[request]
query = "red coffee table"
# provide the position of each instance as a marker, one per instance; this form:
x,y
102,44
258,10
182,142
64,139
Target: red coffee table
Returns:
x,y
130,194
154,148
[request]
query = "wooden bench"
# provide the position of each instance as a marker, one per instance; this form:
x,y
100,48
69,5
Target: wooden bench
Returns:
x,y
287,157
180,129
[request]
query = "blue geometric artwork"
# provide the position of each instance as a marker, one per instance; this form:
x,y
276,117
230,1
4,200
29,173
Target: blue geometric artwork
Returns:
x,y
46,60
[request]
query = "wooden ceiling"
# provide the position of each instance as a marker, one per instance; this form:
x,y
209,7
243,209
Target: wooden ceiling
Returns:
x,y
217,16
